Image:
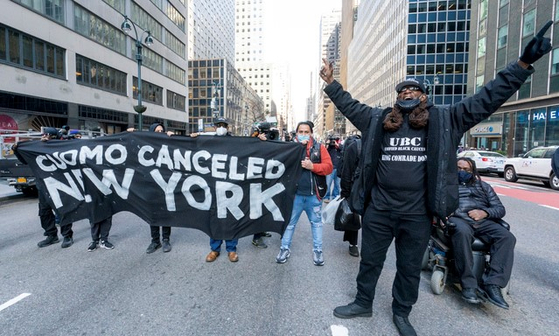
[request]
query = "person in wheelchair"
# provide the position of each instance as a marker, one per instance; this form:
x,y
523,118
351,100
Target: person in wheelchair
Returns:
x,y
480,214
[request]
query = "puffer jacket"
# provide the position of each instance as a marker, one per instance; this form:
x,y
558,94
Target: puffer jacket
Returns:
x,y
478,195
445,129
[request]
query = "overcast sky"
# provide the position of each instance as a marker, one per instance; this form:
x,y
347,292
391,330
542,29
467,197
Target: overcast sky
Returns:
x,y
293,37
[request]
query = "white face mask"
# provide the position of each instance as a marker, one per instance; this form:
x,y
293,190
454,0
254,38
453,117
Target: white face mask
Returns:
x,y
221,131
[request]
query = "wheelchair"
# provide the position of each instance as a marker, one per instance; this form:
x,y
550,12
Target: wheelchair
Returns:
x,y
439,259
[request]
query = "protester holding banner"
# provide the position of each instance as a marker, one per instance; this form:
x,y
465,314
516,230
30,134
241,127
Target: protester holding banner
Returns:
x,y
221,126
100,234
165,230
311,188
409,173
46,215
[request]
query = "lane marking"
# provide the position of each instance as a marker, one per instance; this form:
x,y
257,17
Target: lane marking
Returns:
x,y
339,330
14,301
549,206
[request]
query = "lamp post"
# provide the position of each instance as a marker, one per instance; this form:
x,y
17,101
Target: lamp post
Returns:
x,y
431,87
127,27
213,104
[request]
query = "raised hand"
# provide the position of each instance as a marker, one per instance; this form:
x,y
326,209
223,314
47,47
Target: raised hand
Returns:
x,y
327,71
538,46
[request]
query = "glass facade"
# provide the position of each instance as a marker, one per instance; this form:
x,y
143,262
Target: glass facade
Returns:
x,y
22,50
438,45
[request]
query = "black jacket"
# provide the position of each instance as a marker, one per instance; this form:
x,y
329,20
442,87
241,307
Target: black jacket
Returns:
x,y
446,126
478,195
351,161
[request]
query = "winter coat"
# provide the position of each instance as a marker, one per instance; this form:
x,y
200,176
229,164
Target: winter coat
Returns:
x,y
481,196
444,131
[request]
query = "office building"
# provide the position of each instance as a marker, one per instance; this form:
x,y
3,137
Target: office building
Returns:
x,y
68,62
500,31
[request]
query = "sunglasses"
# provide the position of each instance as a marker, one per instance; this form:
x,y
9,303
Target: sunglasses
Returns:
x,y
411,88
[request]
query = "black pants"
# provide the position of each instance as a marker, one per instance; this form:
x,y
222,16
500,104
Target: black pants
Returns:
x,y
502,252
100,230
48,219
351,237
412,235
166,232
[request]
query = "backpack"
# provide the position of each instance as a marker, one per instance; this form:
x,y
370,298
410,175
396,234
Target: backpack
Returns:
x,y
347,142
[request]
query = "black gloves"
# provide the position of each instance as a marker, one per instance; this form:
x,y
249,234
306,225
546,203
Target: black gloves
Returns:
x,y
537,47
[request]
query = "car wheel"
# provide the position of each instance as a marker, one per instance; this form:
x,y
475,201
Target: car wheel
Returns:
x,y
554,182
510,174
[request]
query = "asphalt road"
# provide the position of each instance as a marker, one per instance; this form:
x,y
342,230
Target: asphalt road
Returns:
x,y
127,292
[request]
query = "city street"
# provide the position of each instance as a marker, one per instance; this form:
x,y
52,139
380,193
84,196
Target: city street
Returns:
x,y
128,292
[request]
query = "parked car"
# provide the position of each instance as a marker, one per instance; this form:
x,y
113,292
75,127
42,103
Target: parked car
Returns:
x,y
534,165
486,161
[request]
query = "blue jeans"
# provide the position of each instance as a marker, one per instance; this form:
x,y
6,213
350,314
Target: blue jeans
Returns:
x,y
312,207
333,184
230,245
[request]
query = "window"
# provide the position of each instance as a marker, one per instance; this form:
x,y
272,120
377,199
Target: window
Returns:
x,y
502,35
53,9
529,22
481,47
176,101
101,76
93,27
30,53
482,9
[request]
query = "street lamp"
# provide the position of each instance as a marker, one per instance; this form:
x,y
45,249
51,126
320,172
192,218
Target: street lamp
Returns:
x,y
127,27
431,87
213,104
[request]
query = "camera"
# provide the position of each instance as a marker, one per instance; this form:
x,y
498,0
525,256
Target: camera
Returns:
x,y
266,129
332,140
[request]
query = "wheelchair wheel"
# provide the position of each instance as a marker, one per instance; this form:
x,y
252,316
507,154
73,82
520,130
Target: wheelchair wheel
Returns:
x,y
425,260
437,282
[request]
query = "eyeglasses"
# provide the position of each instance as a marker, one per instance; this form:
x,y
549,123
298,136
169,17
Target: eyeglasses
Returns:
x,y
411,88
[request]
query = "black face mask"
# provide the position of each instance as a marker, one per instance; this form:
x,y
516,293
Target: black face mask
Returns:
x,y
464,176
408,105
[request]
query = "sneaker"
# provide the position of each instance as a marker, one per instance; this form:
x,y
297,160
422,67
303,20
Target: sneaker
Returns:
x,y
259,243
166,246
353,250
92,246
283,255
153,247
67,242
106,245
317,258
48,241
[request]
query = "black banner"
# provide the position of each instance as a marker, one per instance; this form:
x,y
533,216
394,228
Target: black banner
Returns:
x,y
227,187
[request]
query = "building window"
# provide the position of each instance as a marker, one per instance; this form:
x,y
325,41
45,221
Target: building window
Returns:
x,y
116,4
30,53
93,27
98,75
481,47
53,9
482,9
150,92
529,22
554,82
176,101
502,36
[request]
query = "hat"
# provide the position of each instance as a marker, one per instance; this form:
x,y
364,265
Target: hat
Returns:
x,y
49,130
74,132
153,126
410,82
221,120
308,123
